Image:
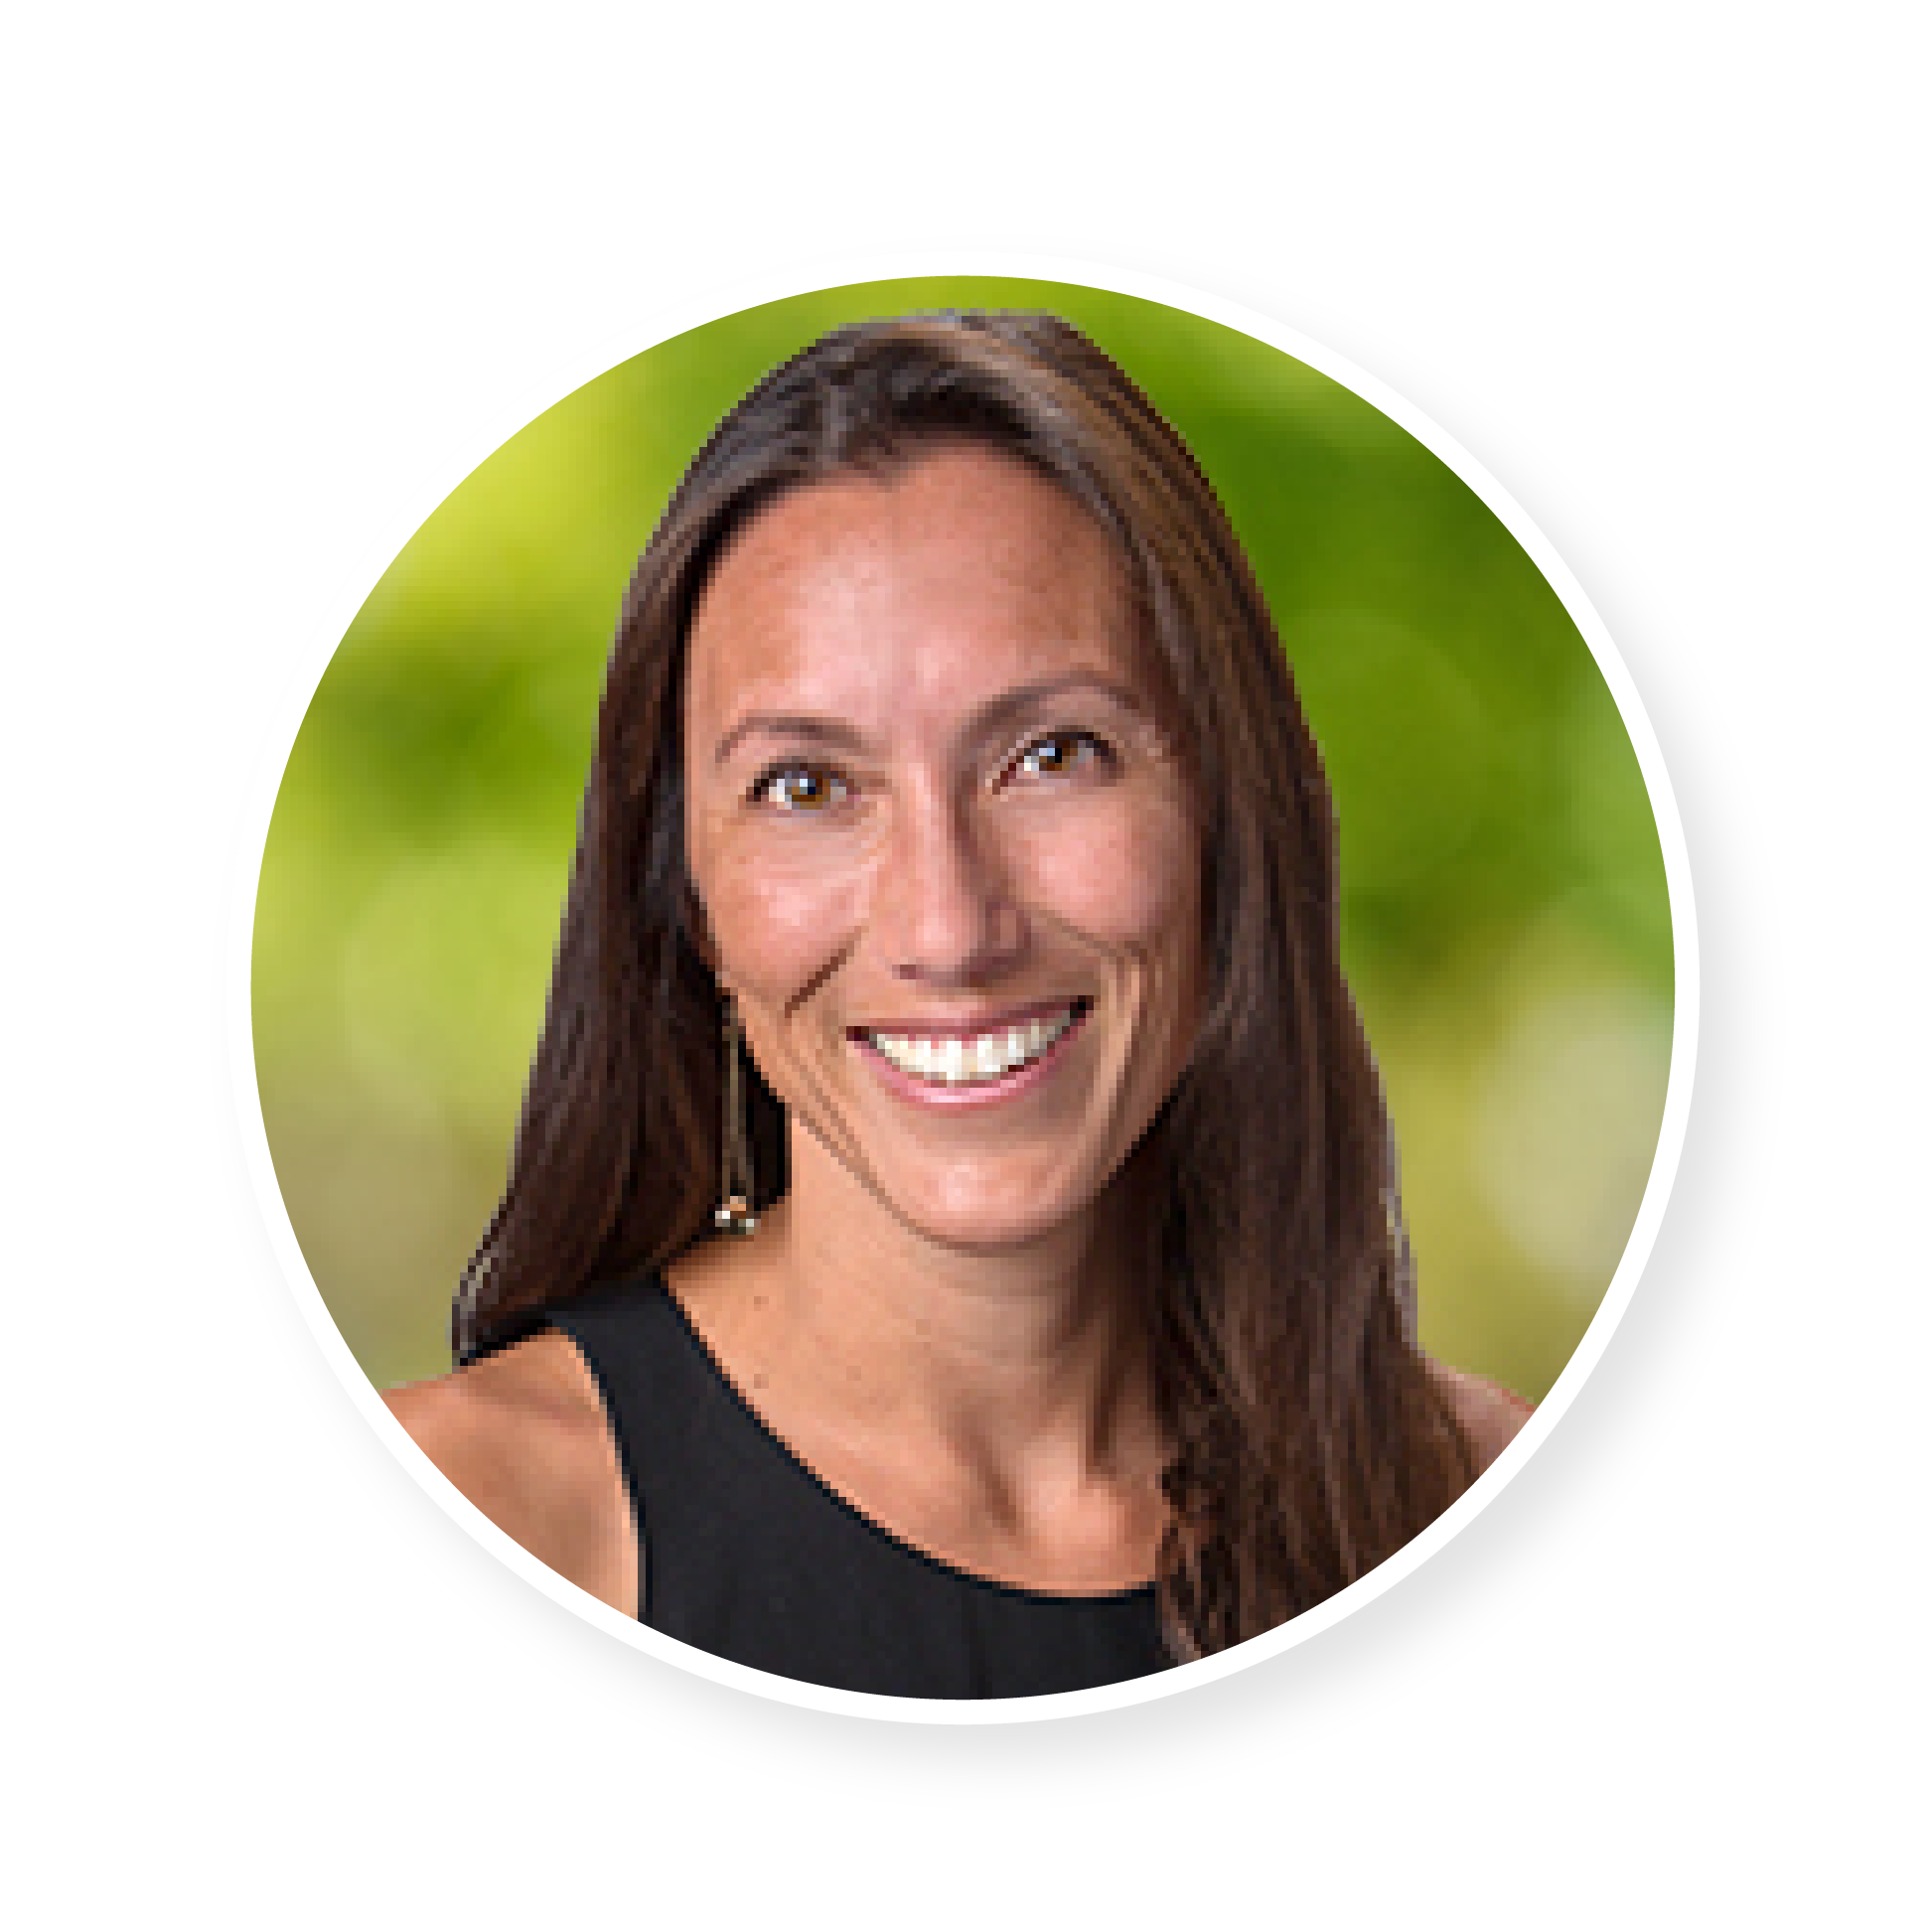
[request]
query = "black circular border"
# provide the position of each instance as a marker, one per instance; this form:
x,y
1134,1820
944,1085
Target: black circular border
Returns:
x,y
1517,1544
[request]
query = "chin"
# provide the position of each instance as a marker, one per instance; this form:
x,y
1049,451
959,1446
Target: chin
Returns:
x,y
987,1214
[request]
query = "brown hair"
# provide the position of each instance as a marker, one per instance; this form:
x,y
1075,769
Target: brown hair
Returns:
x,y
1308,1439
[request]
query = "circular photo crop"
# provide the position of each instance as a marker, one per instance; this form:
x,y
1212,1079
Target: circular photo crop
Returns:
x,y
966,990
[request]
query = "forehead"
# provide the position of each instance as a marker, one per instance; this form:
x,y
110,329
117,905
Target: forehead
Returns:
x,y
921,591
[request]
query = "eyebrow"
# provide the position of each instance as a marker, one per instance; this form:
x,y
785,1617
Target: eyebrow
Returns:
x,y
991,717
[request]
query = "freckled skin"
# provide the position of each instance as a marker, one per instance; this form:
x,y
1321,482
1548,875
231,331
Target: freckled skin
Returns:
x,y
938,853
930,1319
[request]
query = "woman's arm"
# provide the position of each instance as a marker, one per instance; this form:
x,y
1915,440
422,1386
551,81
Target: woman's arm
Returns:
x,y
522,1434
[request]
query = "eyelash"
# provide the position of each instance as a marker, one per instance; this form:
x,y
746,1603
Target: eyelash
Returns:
x,y
1103,753
768,782
761,792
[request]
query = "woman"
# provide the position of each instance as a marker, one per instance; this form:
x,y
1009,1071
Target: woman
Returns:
x,y
1048,1321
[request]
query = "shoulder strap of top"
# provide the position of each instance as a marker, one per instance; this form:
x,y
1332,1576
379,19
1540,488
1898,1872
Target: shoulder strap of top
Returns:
x,y
628,1335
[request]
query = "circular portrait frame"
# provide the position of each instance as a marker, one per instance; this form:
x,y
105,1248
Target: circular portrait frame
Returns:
x,y
1467,1575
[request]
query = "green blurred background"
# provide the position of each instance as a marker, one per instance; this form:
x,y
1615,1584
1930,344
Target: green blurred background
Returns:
x,y
1506,921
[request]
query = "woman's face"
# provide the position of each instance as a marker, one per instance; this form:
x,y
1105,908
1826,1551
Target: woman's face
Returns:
x,y
945,846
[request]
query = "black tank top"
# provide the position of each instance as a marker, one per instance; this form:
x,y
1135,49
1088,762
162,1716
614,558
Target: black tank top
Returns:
x,y
749,1555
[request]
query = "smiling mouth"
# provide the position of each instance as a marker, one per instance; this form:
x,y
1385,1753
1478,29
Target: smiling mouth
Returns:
x,y
966,1060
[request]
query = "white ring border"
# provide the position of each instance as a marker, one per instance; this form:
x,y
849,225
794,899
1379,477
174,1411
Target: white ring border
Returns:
x,y
660,326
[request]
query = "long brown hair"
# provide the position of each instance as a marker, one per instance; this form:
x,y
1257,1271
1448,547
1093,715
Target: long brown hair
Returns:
x,y
1307,1437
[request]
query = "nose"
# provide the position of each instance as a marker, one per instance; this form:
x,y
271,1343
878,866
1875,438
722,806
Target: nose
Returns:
x,y
942,909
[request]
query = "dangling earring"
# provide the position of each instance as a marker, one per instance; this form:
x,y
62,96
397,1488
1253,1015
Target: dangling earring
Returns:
x,y
734,1211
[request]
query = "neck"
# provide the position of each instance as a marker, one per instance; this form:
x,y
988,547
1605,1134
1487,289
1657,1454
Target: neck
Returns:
x,y
1014,1357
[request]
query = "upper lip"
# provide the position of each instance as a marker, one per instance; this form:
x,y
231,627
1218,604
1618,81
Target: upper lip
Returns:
x,y
971,1029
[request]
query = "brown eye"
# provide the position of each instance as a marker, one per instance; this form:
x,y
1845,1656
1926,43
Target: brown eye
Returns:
x,y
1060,752
801,787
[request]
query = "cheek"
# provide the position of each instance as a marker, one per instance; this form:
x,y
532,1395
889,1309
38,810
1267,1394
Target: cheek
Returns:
x,y
1127,881
776,925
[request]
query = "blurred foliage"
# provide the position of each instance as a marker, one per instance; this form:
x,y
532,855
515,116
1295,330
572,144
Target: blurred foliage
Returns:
x,y
1506,921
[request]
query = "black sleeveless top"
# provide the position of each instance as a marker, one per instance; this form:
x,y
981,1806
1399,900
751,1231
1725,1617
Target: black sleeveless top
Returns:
x,y
749,1555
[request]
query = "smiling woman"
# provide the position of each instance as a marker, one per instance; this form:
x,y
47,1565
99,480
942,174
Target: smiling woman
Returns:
x,y
944,848
1060,1323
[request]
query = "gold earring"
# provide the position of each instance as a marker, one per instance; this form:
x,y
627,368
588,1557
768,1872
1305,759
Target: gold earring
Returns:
x,y
734,1211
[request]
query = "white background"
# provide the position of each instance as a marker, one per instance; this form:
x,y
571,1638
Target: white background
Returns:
x,y
277,282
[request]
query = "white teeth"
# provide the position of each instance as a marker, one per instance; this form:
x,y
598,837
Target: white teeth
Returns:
x,y
955,1062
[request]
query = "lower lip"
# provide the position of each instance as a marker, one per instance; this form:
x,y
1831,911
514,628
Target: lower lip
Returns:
x,y
974,1093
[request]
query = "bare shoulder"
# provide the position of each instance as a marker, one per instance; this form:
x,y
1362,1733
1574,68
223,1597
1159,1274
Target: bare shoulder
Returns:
x,y
1490,1415
522,1434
